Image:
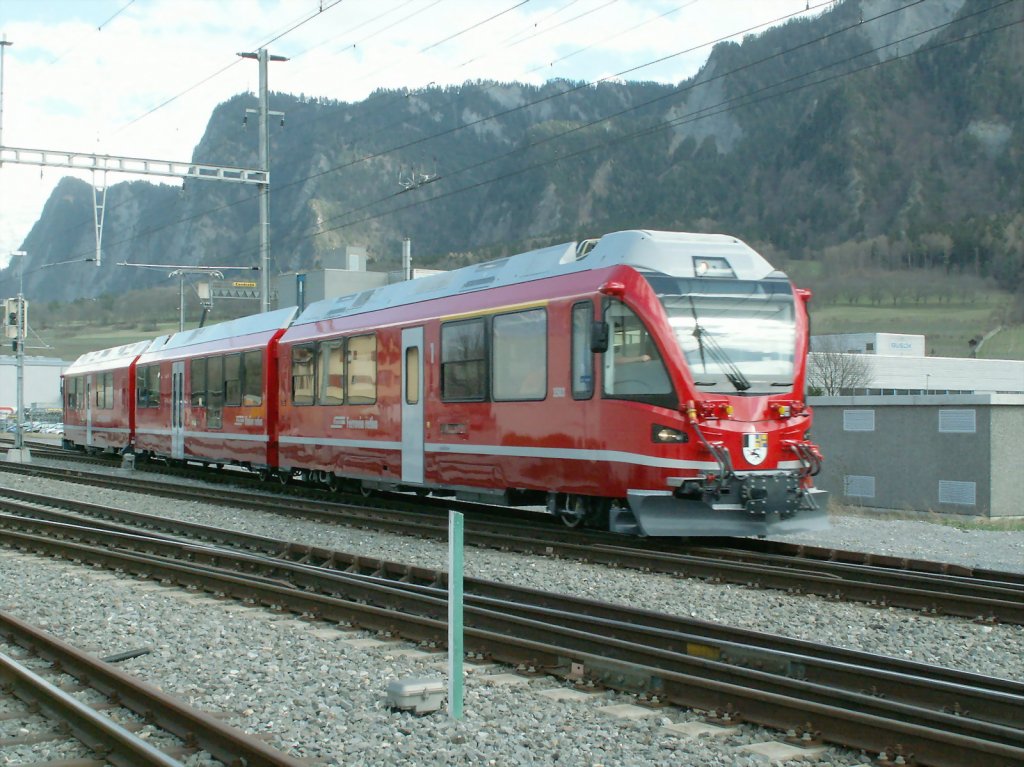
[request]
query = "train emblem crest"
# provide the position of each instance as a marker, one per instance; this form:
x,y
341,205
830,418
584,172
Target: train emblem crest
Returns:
x,y
755,448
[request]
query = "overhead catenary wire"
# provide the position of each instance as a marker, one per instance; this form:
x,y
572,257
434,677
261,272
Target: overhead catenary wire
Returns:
x,y
457,128
592,148
725,106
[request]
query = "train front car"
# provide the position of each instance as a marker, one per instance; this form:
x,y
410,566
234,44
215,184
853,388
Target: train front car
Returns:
x,y
704,327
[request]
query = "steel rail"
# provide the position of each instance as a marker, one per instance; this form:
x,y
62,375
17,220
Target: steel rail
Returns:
x,y
99,733
934,593
701,631
555,647
225,743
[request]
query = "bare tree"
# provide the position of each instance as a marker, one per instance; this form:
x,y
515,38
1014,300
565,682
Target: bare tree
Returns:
x,y
832,371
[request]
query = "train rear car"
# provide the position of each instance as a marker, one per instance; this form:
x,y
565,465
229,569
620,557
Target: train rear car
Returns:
x,y
99,389
207,395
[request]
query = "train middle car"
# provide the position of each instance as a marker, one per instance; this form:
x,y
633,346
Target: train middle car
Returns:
x,y
648,383
209,394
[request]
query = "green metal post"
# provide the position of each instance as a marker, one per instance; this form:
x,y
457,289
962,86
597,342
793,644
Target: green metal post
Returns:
x,y
455,651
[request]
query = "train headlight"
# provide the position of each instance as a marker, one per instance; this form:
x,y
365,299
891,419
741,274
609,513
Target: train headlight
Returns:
x,y
666,434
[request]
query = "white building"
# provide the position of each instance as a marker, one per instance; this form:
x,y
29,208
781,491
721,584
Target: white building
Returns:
x,y
895,363
42,382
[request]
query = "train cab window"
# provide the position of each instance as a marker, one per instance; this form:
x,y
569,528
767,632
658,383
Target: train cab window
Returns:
x,y
362,370
464,361
252,378
233,380
70,395
519,354
215,392
331,367
197,382
582,357
633,367
302,375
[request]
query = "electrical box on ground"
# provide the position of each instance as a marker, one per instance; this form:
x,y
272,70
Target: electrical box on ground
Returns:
x,y
422,695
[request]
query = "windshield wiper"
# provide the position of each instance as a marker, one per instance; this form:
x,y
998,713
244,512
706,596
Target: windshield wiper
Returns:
x,y
717,353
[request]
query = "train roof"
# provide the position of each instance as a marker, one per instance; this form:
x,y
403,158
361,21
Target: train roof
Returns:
x,y
679,254
254,324
115,356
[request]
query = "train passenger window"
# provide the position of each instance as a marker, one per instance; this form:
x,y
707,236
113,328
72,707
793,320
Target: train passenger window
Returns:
x,y
519,355
582,357
197,382
252,378
147,386
463,361
107,389
233,380
632,365
215,392
412,375
97,395
362,370
331,356
302,375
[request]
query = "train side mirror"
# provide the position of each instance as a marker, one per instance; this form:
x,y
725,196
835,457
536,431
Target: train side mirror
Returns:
x,y
599,337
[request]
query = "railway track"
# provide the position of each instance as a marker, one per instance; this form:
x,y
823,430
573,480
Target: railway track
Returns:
x,y
945,717
923,586
103,710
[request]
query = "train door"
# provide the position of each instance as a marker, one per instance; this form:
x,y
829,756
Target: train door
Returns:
x,y
178,409
412,405
88,410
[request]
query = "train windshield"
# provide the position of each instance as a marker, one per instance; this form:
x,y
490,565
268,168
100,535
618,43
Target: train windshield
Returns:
x,y
738,336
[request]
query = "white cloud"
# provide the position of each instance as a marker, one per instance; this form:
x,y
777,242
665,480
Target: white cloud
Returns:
x,y
71,86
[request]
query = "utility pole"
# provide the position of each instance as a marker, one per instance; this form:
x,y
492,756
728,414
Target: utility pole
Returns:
x,y
264,149
19,453
3,47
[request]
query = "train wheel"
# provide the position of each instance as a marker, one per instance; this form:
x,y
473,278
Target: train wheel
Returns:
x,y
284,476
262,474
585,511
574,513
366,491
329,480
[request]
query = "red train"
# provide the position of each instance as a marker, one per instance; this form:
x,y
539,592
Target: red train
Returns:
x,y
649,383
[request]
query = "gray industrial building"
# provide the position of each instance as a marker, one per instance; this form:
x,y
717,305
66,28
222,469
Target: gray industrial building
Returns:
x,y
951,454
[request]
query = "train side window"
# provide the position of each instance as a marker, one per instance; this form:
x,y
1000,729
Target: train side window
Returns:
x,y
632,366
331,356
197,382
412,375
70,393
215,392
108,391
464,361
153,385
97,395
519,354
147,386
233,380
362,370
252,378
302,375
582,357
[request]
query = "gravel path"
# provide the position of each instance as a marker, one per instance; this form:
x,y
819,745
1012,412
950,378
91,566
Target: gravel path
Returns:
x,y
316,694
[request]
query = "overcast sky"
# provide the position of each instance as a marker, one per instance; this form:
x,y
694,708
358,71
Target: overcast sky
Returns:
x,y
139,78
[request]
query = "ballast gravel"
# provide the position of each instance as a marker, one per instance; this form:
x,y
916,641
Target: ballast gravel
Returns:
x,y
311,692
